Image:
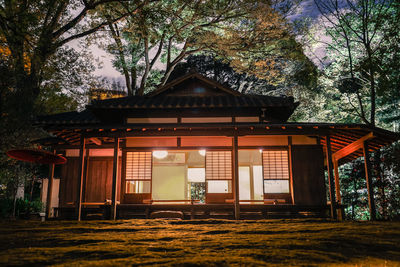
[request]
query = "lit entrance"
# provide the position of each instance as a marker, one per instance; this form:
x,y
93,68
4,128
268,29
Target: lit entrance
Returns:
x,y
178,176
250,177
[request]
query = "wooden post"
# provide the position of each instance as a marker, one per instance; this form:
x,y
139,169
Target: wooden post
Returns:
x,y
368,176
236,176
50,190
290,155
114,180
81,172
337,187
330,177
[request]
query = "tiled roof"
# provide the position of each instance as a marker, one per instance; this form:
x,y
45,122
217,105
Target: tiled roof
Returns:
x,y
74,117
225,101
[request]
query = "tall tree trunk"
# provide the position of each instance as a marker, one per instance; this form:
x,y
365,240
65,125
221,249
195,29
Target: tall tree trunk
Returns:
x,y
146,66
117,38
380,181
14,204
353,204
32,187
133,80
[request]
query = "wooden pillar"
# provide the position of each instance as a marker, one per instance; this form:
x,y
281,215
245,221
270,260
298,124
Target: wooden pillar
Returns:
x,y
337,187
50,189
290,155
330,177
81,173
114,180
236,176
368,176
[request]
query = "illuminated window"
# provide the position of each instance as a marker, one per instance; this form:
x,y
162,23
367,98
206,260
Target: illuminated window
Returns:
x,y
196,175
133,186
219,171
276,171
138,172
250,176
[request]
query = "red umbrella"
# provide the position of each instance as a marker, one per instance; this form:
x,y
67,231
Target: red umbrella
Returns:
x,y
36,155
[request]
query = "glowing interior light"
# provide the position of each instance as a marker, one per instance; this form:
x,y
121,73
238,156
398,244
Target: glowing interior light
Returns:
x,y
260,150
202,152
160,154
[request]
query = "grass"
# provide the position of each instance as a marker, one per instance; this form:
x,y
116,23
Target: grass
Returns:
x,y
200,242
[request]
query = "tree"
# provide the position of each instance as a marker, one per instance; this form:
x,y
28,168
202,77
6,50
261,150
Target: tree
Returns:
x,y
38,72
220,71
33,31
223,73
165,32
358,31
359,83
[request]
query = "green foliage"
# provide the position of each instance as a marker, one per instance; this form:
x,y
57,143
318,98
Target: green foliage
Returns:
x,y
23,208
353,190
38,75
223,73
359,83
386,185
361,70
251,36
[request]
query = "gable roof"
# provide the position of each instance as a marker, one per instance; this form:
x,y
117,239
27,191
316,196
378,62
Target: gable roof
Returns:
x,y
194,75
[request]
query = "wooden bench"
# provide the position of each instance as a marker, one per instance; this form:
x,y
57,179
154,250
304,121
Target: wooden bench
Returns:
x,y
106,202
264,201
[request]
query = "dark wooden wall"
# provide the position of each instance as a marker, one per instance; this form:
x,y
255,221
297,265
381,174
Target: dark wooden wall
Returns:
x,y
308,175
97,185
99,180
68,179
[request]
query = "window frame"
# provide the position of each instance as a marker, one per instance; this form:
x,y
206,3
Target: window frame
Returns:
x,y
125,161
287,195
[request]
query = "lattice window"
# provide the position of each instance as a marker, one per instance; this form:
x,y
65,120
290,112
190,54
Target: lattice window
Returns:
x,y
219,165
276,165
276,171
138,166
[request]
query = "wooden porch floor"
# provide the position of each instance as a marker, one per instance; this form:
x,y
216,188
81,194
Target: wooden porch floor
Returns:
x,y
199,211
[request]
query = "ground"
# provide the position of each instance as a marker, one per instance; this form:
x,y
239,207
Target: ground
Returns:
x,y
200,242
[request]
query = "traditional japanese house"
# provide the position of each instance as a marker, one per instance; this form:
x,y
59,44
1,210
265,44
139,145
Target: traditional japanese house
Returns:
x,y
198,147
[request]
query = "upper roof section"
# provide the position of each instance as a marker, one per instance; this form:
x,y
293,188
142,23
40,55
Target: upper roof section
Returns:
x,y
194,101
191,95
195,92
193,84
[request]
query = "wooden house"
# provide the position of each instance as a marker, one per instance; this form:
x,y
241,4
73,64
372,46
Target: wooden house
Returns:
x,y
198,147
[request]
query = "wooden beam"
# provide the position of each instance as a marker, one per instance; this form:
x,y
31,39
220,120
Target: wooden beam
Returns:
x,y
329,165
356,145
114,180
95,140
236,176
368,176
81,170
49,190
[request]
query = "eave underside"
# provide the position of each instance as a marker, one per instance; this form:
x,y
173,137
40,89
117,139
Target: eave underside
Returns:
x,y
341,135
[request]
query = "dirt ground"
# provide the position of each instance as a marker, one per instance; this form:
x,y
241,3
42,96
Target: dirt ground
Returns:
x,y
200,243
